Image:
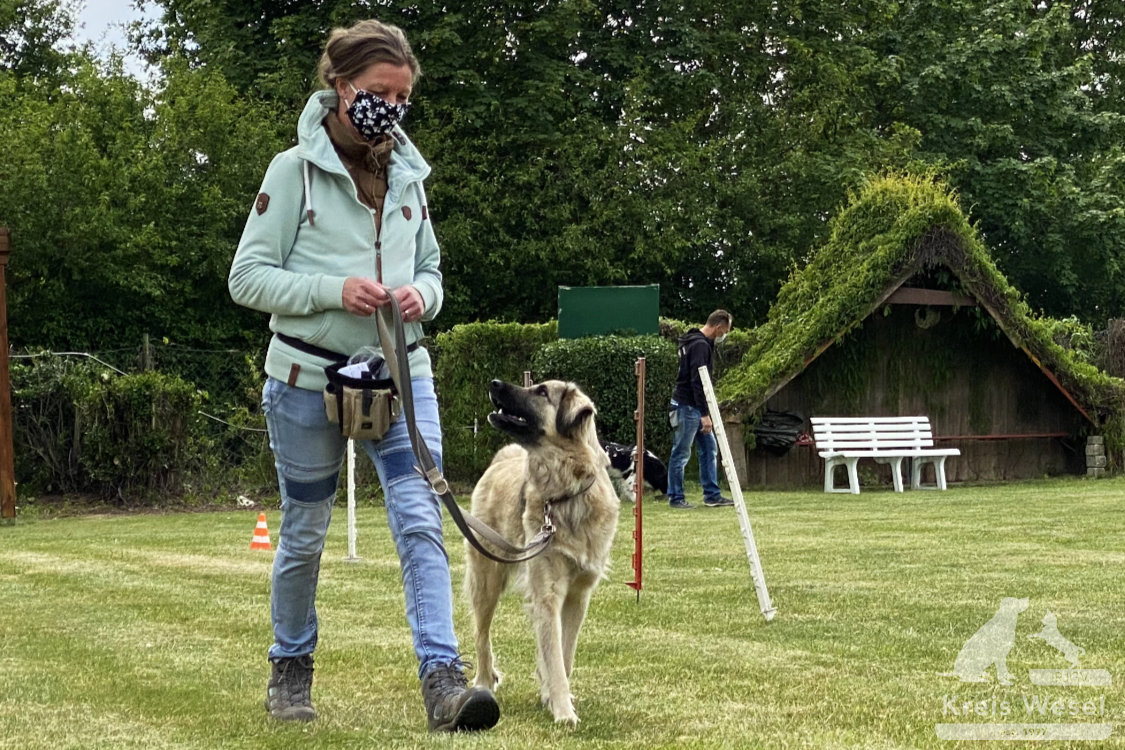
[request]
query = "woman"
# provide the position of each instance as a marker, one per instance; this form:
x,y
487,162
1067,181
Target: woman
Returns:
x,y
339,226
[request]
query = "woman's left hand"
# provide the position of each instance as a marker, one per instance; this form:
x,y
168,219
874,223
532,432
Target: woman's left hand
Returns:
x,y
410,302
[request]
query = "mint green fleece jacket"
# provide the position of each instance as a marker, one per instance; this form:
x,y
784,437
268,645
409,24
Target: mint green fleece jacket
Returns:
x,y
294,268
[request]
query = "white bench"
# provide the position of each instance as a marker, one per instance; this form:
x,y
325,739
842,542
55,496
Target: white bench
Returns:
x,y
888,440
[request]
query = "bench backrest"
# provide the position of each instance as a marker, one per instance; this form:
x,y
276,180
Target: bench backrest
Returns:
x,y
872,433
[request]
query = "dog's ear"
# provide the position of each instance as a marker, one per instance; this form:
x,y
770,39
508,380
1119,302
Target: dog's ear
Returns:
x,y
575,411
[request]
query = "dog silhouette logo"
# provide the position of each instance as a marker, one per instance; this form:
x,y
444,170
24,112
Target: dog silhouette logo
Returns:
x,y
1052,637
989,646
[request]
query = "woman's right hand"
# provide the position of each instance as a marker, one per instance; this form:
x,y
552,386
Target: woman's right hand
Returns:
x,y
362,296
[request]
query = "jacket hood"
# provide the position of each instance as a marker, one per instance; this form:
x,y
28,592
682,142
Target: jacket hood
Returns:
x,y
693,333
314,145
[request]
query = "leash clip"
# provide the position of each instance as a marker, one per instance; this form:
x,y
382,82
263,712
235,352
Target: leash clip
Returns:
x,y
548,523
434,478
437,481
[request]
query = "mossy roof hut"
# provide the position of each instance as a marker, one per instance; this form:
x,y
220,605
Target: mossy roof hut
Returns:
x,y
903,312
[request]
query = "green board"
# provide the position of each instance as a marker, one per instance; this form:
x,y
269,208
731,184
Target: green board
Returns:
x,y
600,310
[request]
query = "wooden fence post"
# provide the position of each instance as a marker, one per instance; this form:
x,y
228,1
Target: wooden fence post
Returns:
x,y
7,452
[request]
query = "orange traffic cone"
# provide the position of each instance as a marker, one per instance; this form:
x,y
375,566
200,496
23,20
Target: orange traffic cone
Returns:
x,y
261,538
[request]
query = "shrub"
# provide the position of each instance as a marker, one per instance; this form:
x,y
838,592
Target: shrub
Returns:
x,y
80,426
46,428
604,367
139,435
466,358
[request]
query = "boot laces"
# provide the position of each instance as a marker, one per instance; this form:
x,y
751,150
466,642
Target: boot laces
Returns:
x,y
295,679
450,678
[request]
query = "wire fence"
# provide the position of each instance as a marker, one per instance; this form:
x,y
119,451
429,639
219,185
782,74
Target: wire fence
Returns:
x,y
228,427
228,440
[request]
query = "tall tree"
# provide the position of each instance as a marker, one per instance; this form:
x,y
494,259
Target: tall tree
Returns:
x,y
1022,102
694,144
32,33
123,203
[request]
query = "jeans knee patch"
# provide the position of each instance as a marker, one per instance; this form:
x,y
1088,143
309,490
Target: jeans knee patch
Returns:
x,y
312,490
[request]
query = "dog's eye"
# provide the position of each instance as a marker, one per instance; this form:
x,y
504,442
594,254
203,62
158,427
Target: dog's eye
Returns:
x,y
542,391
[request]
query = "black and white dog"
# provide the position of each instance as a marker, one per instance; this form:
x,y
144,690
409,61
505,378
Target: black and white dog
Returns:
x,y
622,460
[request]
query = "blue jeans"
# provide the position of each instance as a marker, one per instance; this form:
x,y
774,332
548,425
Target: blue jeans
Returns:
x,y
308,451
685,432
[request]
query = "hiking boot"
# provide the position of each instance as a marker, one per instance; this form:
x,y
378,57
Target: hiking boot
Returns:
x,y
717,502
289,695
681,503
452,706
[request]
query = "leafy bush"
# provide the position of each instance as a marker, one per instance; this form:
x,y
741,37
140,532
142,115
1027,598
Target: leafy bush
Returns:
x,y
80,426
139,435
46,426
605,368
466,358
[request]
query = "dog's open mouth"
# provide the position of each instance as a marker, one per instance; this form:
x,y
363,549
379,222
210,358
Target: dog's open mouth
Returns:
x,y
510,415
507,418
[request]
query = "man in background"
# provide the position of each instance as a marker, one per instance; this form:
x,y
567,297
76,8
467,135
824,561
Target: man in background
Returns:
x,y
689,416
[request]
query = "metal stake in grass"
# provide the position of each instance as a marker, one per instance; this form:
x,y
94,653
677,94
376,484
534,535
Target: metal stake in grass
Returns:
x,y
351,504
768,610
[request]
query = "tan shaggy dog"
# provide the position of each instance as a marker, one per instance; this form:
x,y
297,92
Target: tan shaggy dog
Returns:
x,y
556,463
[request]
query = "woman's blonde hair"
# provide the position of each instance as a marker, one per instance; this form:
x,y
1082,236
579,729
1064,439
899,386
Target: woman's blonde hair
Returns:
x,y
352,50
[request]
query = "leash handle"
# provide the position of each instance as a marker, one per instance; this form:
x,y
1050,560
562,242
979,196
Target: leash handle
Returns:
x,y
467,523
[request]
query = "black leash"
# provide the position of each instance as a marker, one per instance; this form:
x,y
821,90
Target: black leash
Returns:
x,y
468,524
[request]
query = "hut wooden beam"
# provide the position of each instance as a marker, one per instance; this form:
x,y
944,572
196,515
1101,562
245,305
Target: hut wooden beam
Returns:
x,y
909,295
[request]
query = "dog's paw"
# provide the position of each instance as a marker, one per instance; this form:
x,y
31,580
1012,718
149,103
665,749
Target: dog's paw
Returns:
x,y
568,718
486,681
563,710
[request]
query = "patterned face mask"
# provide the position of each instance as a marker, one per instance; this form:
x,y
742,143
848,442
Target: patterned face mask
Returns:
x,y
372,116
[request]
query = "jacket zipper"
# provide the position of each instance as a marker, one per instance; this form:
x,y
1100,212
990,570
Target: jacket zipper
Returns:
x,y
378,246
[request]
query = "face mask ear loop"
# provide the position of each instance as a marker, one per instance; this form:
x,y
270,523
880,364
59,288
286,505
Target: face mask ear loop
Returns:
x,y
347,104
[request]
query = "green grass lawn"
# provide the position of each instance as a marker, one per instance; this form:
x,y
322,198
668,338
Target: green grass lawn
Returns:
x,y
150,631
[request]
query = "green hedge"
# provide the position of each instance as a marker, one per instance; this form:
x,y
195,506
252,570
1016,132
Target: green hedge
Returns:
x,y
139,437
605,368
466,359
82,427
46,430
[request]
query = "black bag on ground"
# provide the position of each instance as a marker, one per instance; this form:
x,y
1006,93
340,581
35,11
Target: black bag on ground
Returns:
x,y
363,407
778,431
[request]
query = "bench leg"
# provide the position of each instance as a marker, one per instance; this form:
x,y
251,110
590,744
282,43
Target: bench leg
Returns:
x,y
830,465
895,462
853,475
916,472
896,472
